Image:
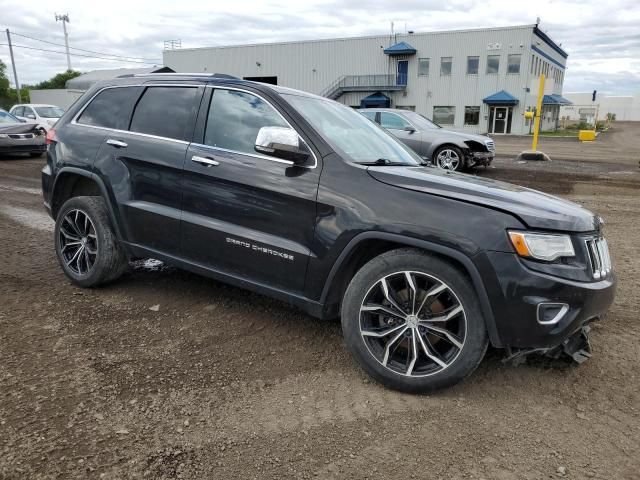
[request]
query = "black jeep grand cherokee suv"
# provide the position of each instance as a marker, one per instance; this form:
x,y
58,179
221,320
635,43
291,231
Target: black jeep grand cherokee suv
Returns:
x,y
301,198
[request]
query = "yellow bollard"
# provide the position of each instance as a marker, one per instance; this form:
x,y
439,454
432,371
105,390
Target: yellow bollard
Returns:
x,y
536,123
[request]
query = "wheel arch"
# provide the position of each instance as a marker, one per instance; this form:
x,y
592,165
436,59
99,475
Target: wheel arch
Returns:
x,y
368,245
447,143
74,182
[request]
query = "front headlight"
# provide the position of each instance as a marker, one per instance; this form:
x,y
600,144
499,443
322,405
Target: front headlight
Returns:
x,y
542,246
4,135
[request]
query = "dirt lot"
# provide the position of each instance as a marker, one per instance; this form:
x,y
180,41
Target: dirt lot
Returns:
x,y
222,383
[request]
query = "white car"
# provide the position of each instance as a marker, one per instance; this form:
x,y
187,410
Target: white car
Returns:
x,y
44,116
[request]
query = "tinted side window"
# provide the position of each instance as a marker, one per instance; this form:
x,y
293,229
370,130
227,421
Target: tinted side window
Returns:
x,y
18,112
235,119
392,121
370,115
110,108
165,112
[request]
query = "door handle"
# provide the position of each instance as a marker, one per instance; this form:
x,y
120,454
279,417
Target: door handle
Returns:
x,y
116,143
208,162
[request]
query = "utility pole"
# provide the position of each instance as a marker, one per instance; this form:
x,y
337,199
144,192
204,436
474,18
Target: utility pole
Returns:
x,y
13,64
65,19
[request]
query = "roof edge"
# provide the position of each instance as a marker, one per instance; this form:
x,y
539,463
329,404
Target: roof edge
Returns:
x,y
399,37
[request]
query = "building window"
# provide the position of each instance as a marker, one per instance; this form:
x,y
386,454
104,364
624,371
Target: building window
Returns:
x,y
472,65
471,115
493,63
423,66
444,115
445,65
513,63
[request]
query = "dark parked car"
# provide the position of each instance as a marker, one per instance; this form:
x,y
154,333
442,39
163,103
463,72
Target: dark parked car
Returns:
x,y
19,137
446,149
301,198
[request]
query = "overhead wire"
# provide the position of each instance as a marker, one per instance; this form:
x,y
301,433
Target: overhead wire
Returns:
x,y
83,49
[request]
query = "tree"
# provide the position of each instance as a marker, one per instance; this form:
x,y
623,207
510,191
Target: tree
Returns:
x,y
4,81
57,81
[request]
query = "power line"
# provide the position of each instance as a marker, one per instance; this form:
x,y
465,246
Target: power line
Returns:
x,y
82,49
79,54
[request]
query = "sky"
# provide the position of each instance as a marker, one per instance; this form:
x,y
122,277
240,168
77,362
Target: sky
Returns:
x,y
602,38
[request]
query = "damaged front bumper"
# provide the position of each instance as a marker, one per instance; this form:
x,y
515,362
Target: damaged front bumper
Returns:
x,y
475,159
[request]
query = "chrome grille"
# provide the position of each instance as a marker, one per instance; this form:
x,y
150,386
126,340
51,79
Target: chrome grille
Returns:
x,y
20,136
490,145
599,257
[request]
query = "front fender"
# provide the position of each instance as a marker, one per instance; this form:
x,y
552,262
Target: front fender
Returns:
x,y
462,259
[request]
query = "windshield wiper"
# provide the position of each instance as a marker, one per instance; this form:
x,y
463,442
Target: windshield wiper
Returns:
x,y
384,161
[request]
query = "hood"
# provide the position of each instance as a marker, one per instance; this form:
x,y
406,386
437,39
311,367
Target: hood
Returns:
x,y
535,209
17,127
462,136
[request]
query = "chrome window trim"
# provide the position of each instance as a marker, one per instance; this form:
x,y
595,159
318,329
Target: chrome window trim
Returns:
x,y
74,121
256,155
266,157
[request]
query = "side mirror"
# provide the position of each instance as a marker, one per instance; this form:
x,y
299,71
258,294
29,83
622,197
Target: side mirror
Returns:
x,y
282,142
409,129
30,116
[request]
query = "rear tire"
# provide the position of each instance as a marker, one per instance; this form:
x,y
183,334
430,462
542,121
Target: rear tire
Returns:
x,y
86,245
387,300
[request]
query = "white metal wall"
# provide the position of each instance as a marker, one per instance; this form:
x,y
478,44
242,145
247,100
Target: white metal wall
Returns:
x,y
61,97
313,65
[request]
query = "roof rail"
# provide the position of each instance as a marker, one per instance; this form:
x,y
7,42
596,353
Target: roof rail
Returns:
x,y
207,75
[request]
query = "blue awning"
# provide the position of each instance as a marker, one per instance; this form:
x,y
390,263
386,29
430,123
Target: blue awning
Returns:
x,y
401,48
501,98
555,99
375,100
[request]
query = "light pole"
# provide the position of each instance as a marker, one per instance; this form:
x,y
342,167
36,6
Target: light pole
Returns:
x,y
65,19
13,64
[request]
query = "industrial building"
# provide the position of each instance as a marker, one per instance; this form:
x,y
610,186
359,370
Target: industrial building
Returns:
x,y
585,109
478,81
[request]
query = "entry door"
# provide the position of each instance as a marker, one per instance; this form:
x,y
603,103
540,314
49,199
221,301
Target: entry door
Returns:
x,y
246,214
500,116
403,72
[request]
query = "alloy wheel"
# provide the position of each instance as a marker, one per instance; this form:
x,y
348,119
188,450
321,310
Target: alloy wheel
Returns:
x,y
448,159
413,324
78,242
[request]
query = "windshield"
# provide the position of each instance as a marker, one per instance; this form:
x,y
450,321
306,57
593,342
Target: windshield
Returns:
x,y
352,135
6,117
421,120
49,112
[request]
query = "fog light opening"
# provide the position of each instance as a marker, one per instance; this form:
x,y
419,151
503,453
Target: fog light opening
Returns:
x,y
551,313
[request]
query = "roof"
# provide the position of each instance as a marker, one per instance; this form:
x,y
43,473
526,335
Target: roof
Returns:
x,y
400,48
546,39
501,98
86,80
381,36
555,99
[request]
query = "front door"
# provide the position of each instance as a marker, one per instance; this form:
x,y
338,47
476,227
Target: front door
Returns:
x,y
243,213
403,72
500,119
402,129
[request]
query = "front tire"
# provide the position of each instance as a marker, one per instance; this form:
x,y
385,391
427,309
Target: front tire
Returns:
x,y
413,322
450,158
86,246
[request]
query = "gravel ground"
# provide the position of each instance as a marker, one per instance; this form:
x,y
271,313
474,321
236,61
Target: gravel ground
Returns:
x,y
169,375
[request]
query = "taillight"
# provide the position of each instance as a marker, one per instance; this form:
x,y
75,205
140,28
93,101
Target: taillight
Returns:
x,y
51,137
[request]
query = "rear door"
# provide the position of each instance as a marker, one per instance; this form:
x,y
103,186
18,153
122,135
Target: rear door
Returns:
x,y
144,162
397,125
246,214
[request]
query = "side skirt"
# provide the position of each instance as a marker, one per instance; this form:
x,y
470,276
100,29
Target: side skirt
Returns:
x,y
310,307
